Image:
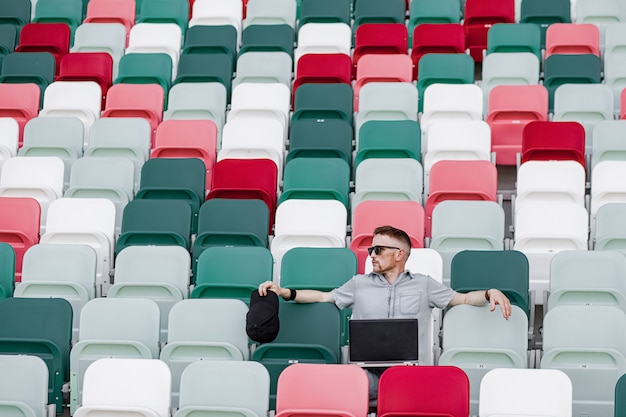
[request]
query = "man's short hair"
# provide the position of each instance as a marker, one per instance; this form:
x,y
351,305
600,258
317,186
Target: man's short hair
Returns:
x,y
395,233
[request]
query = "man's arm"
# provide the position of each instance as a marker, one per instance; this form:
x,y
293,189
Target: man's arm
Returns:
x,y
302,296
479,298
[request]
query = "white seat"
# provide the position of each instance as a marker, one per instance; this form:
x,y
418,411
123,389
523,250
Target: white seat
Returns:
x,y
276,12
264,67
197,101
215,13
615,77
89,221
508,68
126,387
251,100
307,223
24,386
156,38
607,186
525,393
9,137
323,38
386,101
81,99
101,37
608,143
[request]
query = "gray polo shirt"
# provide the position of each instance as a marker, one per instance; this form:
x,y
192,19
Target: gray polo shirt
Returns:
x,y
370,296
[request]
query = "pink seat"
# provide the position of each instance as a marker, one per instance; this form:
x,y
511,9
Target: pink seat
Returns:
x,y
332,390
112,11
136,100
570,38
379,38
439,38
246,179
622,104
417,391
45,37
187,139
460,180
381,68
369,214
479,16
511,107
548,141
322,68
21,102
19,226
88,66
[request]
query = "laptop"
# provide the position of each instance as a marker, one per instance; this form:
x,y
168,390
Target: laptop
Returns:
x,y
383,342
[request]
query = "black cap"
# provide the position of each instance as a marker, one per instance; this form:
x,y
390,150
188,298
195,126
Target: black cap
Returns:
x,y
262,323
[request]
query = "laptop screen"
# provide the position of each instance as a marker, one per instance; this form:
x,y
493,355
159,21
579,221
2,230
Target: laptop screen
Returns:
x,y
383,340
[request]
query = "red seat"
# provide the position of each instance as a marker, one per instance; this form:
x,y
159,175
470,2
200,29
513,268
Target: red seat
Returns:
x,y
437,38
511,107
136,100
423,391
246,179
622,104
379,38
381,68
369,214
460,180
21,102
322,68
570,38
187,139
19,226
332,390
45,37
112,11
479,16
548,141
88,66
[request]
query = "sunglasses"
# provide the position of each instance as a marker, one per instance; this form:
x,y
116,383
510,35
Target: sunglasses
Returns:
x,y
378,249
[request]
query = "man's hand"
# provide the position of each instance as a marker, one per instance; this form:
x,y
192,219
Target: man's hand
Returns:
x,y
497,297
272,286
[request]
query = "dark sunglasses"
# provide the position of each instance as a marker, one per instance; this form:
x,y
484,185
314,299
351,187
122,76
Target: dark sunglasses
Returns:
x,y
378,249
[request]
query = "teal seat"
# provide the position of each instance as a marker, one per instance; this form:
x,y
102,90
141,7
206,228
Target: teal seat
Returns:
x,y
15,13
309,333
8,39
165,11
40,327
324,11
70,12
375,11
423,11
210,40
324,101
443,69
174,178
155,222
620,397
562,69
202,68
268,38
146,68
216,277
544,13
317,179
514,37
389,139
320,138
29,67
7,270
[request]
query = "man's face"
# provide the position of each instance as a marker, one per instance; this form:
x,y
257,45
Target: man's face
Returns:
x,y
387,258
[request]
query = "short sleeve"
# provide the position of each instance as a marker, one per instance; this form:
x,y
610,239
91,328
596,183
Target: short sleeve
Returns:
x,y
344,295
439,295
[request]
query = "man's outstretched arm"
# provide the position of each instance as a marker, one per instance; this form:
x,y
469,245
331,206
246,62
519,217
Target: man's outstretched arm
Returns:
x,y
302,296
480,298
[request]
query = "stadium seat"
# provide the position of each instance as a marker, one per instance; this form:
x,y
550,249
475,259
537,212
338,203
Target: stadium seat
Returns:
x,y
146,68
21,395
325,11
514,37
16,13
388,139
420,12
543,14
549,141
209,13
438,68
203,101
116,11
45,37
264,67
508,68
20,225
266,38
7,271
609,231
379,38
20,102
372,11
428,38
386,101
29,67
570,69
69,12
607,143
565,38
88,66
101,37
176,12
333,38
262,13
478,17
320,138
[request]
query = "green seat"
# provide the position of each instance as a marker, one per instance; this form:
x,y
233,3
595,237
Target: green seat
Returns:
x,y
211,40
544,13
620,397
266,38
376,11
203,68
425,11
324,11
389,139
155,222
320,138
562,69
317,179
506,270
28,67
322,269
216,277
146,68
231,222
165,11
15,12
40,327
174,178
324,101
514,37
7,270
8,39
309,333
70,12
443,69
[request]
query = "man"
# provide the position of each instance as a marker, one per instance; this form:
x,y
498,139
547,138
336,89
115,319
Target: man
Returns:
x,y
390,291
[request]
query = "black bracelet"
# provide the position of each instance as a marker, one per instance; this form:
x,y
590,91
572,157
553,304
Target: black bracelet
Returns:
x,y
292,295
487,296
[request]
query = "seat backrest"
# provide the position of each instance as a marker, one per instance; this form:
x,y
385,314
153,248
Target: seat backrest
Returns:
x,y
24,385
607,143
225,385
565,38
418,391
514,37
329,389
551,140
7,270
297,271
535,392
20,221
